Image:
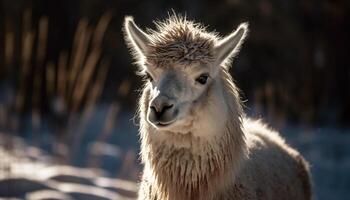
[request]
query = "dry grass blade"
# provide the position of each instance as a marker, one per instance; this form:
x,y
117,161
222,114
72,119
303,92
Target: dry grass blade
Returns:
x,y
27,20
101,29
97,88
96,91
3,115
124,88
9,48
128,162
110,121
36,120
62,74
36,117
84,78
27,43
81,44
42,39
50,79
41,50
27,46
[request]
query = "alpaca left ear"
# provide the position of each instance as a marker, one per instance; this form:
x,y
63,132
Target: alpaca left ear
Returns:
x,y
229,46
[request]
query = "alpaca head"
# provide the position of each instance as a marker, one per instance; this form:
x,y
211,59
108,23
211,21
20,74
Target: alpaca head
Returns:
x,y
181,62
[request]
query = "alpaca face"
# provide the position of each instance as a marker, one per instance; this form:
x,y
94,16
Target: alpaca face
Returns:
x,y
181,62
175,92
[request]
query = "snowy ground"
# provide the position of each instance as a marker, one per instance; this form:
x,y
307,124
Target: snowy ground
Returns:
x,y
29,173
327,150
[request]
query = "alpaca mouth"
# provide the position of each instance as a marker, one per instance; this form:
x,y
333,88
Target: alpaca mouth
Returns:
x,y
162,124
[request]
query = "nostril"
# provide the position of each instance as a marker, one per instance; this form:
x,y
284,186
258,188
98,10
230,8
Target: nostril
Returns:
x,y
166,107
154,109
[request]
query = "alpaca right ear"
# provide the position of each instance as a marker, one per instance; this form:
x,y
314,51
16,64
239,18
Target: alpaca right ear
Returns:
x,y
137,39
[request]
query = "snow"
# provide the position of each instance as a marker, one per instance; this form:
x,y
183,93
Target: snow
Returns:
x,y
328,152
326,148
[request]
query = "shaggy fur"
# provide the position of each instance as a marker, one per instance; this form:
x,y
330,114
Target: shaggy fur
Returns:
x,y
179,40
243,160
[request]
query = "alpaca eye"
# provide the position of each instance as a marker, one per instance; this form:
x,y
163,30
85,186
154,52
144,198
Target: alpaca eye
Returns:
x,y
148,77
202,79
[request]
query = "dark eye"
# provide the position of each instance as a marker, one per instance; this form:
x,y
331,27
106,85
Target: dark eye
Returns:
x,y
148,77
202,79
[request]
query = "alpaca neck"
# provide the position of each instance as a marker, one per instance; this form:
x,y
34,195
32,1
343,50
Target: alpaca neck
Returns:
x,y
195,165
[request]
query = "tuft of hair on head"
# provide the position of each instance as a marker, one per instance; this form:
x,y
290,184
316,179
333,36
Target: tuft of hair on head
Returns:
x,y
229,46
177,39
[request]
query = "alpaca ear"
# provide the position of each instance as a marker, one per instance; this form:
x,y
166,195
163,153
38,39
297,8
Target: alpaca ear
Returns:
x,y
229,46
137,40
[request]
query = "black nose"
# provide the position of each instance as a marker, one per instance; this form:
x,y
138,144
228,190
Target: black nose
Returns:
x,y
160,110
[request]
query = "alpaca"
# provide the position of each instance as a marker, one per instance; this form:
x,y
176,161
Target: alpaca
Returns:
x,y
196,142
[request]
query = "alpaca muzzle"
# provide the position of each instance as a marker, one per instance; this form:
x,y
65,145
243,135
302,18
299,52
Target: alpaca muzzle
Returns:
x,y
161,112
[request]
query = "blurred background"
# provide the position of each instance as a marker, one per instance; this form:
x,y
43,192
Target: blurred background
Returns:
x,y
68,89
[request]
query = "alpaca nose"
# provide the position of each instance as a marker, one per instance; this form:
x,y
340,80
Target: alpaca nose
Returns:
x,y
160,109
161,105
